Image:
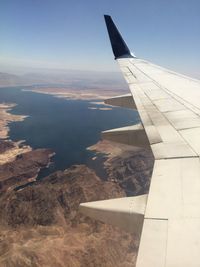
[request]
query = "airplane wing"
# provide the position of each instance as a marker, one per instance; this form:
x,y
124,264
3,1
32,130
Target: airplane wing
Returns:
x,y
169,107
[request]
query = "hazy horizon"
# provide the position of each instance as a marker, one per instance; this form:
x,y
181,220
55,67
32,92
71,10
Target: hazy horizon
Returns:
x,y
81,73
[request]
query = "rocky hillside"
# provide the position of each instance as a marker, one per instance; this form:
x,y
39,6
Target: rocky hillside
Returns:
x,y
40,224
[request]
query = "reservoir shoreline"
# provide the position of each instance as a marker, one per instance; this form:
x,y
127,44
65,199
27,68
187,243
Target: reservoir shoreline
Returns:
x,y
38,219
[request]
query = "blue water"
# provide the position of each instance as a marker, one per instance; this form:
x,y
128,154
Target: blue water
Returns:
x,y
68,127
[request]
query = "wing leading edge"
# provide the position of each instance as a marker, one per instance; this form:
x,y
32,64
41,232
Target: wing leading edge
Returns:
x,y
169,107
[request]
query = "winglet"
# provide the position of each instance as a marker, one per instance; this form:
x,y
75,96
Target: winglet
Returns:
x,y
119,47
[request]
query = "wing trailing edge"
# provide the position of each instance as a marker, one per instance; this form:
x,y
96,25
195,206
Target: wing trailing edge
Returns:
x,y
125,101
126,213
134,135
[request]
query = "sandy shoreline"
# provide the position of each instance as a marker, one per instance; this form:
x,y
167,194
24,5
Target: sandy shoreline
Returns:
x,y
19,163
16,148
78,94
6,117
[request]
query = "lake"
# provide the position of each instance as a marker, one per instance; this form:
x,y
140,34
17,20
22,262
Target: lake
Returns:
x,y
68,127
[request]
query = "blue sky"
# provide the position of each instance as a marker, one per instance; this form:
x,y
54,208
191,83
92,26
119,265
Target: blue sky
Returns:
x,y
71,34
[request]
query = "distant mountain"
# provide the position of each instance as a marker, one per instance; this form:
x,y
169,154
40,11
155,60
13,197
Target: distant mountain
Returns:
x,y
9,79
70,78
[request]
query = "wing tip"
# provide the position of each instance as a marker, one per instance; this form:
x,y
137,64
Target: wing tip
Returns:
x,y
106,16
119,47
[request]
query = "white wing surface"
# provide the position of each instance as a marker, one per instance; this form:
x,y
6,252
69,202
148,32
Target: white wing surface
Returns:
x,y
169,107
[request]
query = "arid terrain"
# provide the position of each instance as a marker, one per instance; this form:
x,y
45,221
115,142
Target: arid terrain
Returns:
x,y
41,226
77,93
130,167
39,221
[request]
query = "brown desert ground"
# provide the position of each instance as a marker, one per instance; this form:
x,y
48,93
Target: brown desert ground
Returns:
x,y
79,94
39,222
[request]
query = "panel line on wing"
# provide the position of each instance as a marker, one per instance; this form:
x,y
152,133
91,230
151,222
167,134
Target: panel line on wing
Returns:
x,y
159,110
177,97
177,147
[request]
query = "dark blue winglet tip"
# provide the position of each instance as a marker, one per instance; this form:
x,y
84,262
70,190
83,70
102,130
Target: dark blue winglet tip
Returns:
x,y
119,47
